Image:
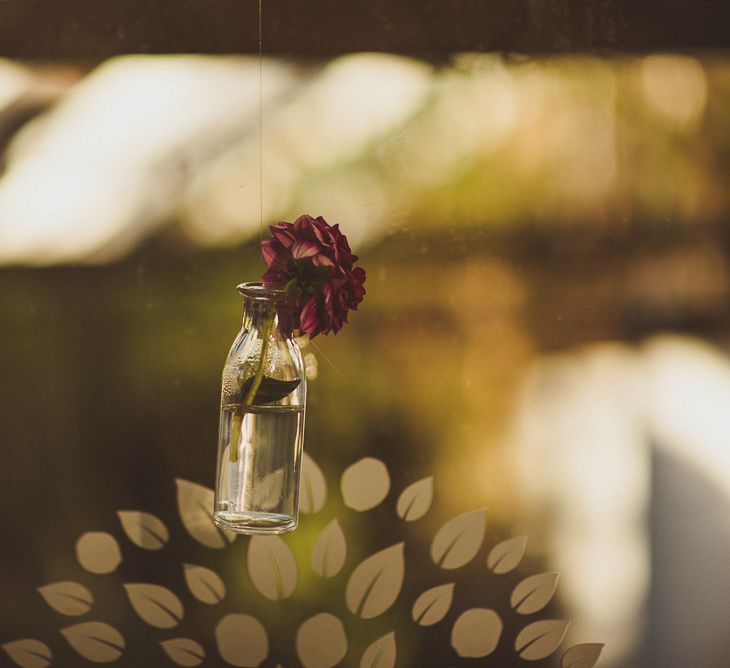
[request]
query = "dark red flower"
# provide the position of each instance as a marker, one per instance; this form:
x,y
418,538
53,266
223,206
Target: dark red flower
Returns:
x,y
312,261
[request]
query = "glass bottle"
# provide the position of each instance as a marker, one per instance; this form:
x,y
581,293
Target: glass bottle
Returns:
x,y
261,430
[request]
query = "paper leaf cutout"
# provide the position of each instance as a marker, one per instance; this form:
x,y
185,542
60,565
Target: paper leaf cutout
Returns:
x,y
242,640
183,651
376,582
534,593
381,654
156,605
433,605
506,556
144,530
195,504
204,584
98,552
29,653
313,489
415,500
266,493
95,641
365,484
582,656
68,598
272,567
329,551
540,639
457,542
476,633
321,641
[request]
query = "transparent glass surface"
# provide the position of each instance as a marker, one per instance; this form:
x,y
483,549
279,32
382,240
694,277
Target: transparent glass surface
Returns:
x,y
260,444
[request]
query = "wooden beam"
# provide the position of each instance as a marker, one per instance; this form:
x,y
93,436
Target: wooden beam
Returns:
x,y
96,29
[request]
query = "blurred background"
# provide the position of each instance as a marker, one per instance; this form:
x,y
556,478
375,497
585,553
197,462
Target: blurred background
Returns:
x,y
540,198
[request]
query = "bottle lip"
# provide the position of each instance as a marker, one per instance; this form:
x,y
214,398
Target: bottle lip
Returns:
x,y
260,292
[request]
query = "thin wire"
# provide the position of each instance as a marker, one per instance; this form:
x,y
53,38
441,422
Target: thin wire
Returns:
x,y
327,359
261,127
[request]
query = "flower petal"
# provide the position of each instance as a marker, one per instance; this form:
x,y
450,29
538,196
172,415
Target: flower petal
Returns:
x,y
309,321
320,260
283,233
269,251
302,248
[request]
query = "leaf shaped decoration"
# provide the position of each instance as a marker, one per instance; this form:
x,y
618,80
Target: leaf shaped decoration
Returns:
x,y
433,605
144,530
457,542
476,633
271,389
415,500
321,641
68,598
365,484
266,493
156,605
329,551
204,584
534,593
313,488
381,654
272,567
506,556
95,641
29,653
582,656
376,582
98,552
195,504
183,651
242,640
540,639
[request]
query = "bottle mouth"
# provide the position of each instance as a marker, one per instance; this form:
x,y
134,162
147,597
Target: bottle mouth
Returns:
x,y
260,292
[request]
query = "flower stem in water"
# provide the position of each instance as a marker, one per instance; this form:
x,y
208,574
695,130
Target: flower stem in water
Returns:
x,y
237,421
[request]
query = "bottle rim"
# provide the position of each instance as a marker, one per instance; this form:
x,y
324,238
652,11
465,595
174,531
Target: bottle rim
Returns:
x,y
259,292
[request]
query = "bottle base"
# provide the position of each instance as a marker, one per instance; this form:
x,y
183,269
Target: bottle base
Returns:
x,y
255,523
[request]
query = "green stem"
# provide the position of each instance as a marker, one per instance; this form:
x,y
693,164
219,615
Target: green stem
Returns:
x,y
240,413
236,423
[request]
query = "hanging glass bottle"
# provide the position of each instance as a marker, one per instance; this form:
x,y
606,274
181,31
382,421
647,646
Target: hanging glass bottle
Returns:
x,y
261,430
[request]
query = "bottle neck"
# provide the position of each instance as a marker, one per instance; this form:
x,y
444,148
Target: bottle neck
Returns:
x,y
257,312
263,306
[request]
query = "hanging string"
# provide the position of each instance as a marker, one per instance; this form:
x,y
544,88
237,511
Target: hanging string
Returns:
x,y
261,127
